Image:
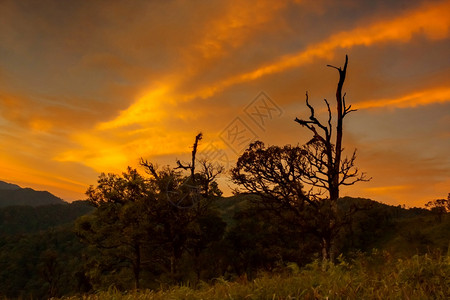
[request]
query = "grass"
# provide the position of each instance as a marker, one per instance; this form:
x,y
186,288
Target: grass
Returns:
x,y
377,276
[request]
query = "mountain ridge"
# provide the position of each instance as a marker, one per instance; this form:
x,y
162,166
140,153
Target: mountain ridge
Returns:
x,y
8,186
12,194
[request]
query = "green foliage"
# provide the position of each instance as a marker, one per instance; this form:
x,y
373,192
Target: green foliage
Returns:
x,y
117,230
370,223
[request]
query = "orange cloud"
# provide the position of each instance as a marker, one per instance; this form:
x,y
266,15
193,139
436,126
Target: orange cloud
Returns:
x,y
41,174
426,97
40,125
239,21
148,108
97,152
432,21
113,151
387,189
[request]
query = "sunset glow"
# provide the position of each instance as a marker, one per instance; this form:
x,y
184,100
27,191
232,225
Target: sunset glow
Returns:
x,y
88,87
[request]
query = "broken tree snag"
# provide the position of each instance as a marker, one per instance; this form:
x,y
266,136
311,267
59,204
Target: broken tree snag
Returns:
x,y
191,166
340,116
194,152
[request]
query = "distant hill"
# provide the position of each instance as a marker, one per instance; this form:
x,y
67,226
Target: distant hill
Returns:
x,y
11,194
8,186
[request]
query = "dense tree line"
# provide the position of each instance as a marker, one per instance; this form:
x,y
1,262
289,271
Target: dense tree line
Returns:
x,y
20,219
236,240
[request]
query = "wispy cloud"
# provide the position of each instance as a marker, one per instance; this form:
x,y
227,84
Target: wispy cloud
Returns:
x,y
387,189
414,99
429,20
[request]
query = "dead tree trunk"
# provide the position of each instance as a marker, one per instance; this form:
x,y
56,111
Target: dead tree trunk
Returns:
x,y
328,170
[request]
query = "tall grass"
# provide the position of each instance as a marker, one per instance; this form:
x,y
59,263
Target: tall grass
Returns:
x,y
377,276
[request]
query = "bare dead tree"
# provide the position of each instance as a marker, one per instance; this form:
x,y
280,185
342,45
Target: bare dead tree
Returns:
x,y
326,169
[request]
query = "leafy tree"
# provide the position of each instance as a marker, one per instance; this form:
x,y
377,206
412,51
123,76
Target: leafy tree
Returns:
x,y
301,184
146,225
118,227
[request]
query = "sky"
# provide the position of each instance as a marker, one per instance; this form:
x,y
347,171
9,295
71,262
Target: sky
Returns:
x,y
92,86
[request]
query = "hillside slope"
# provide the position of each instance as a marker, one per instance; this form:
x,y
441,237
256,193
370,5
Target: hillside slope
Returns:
x,y
11,194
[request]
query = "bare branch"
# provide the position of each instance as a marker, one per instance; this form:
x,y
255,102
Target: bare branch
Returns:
x,y
151,168
330,126
181,166
313,122
347,109
339,69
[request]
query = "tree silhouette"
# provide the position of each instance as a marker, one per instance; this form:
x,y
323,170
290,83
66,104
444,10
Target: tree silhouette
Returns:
x,y
301,184
439,207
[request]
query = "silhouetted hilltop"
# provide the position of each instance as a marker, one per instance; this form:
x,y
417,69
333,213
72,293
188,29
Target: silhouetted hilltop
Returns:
x,y
11,194
8,186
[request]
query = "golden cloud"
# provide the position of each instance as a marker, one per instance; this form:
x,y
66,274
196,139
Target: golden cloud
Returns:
x,y
432,21
387,189
239,21
151,107
414,99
